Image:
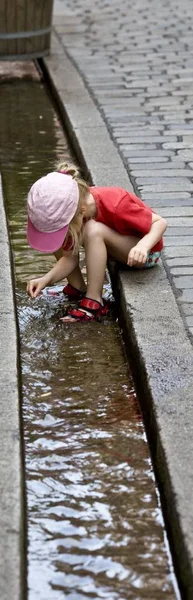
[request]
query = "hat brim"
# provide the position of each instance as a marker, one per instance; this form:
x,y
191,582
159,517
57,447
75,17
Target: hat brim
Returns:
x,y
45,242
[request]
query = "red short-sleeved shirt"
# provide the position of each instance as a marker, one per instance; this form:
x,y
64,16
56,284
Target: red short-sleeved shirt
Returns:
x,y
122,211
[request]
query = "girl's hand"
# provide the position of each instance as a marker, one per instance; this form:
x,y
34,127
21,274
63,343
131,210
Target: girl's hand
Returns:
x,y
137,257
34,286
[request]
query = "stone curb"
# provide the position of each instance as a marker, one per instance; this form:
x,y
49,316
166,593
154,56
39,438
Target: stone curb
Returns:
x,y
160,353
12,555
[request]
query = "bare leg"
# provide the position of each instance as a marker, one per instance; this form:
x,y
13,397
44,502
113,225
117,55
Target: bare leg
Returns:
x,y
99,241
96,260
76,279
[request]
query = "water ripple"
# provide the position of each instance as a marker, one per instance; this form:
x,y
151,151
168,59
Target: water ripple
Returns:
x,y
95,529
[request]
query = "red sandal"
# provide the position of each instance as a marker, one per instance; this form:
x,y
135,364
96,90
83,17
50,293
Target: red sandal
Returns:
x,y
72,292
87,310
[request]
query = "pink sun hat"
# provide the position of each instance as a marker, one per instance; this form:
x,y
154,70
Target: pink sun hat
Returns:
x,y
51,203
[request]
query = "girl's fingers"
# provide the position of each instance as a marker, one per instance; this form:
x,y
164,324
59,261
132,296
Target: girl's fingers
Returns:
x,y
32,289
29,289
36,290
136,258
36,293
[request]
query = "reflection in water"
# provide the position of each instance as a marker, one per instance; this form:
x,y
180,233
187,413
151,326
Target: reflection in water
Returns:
x,y
95,528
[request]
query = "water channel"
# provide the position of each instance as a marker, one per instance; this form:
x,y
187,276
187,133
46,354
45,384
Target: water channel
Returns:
x,y
95,527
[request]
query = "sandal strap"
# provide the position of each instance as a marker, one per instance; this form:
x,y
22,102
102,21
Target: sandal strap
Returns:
x,y
80,315
88,310
94,307
72,292
90,304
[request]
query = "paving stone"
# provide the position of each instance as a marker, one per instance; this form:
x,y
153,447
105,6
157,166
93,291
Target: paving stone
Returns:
x,y
178,127
166,185
189,321
180,262
158,204
129,111
177,145
119,105
178,252
187,309
187,139
178,211
127,120
170,172
161,112
151,139
139,150
168,100
185,92
133,126
131,148
183,282
180,240
142,82
169,196
117,93
130,132
188,133
169,166
172,117
137,160
186,231
182,270
153,92
181,221
186,296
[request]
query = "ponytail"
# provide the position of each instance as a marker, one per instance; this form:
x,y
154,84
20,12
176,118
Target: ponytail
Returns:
x,y
69,170
75,228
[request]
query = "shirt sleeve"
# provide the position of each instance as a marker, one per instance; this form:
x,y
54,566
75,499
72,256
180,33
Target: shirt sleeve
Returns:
x,y
132,215
67,244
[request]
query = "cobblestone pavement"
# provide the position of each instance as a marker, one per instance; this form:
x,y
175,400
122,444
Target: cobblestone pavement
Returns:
x,y
136,57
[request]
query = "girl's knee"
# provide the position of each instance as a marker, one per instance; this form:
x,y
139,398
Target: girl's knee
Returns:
x,y
92,229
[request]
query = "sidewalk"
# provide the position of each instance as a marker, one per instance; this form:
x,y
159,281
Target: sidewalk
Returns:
x,y
123,77
137,65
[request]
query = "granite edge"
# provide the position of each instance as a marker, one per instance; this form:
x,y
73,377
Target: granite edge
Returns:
x,y
12,491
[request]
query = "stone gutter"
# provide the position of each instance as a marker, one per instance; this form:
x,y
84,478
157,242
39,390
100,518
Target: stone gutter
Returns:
x,y
12,503
158,348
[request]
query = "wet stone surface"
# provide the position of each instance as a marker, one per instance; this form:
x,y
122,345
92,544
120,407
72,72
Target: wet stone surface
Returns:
x,y
95,527
136,59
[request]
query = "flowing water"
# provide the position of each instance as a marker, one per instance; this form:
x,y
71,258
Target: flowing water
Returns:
x,y
95,527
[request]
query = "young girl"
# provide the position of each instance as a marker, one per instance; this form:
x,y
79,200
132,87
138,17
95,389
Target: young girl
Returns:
x,y
65,213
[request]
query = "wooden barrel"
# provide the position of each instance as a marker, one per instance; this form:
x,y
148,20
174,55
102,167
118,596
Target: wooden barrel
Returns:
x,y
25,28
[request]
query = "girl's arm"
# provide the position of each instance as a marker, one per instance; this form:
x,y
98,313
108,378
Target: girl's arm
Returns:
x,y
64,266
138,254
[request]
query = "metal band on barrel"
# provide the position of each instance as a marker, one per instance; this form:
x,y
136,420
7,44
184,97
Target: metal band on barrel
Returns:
x,y
24,34
29,55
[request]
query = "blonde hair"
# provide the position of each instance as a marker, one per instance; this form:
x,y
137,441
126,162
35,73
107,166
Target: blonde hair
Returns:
x,y
76,224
